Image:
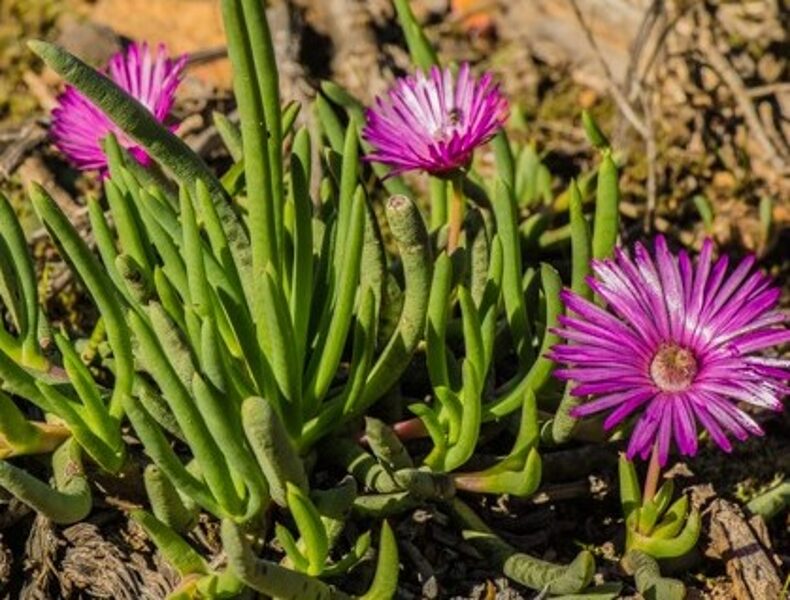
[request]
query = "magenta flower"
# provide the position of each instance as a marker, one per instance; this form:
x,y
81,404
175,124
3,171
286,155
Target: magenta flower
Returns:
x,y
78,126
434,122
678,343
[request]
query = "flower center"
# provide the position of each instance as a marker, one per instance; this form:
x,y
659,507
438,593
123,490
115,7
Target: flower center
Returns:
x,y
673,368
451,123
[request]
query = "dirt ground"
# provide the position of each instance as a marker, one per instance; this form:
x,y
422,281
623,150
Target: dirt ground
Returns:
x,y
696,98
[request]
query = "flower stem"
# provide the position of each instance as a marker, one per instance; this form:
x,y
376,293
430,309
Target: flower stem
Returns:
x,y
653,474
456,216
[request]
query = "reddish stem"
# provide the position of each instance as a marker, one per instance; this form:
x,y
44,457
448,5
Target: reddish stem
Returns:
x,y
410,429
653,475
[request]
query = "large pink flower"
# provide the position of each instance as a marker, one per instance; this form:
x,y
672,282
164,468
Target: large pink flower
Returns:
x,y
434,122
78,126
678,345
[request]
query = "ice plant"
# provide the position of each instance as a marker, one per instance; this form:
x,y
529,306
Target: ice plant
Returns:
x,y
78,126
433,122
677,344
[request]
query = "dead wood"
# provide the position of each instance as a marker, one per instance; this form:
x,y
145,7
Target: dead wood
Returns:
x,y
747,555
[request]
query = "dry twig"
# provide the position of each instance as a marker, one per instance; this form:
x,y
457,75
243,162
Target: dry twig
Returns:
x,y
719,63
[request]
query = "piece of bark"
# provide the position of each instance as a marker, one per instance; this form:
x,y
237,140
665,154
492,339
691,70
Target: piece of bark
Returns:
x,y
34,170
749,561
21,141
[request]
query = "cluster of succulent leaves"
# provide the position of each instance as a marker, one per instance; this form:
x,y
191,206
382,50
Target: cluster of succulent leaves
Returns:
x,y
251,325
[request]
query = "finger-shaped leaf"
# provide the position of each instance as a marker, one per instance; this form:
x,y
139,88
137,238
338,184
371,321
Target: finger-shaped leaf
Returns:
x,y
471,415
351,559
362,353
330,123
558,579
503,158
95,412
672,520
267,577
192,250
230,134
675,547
105,243
653,509
359,463
227,431
139,287
349,175
311,529
273,448
277,336
420,49
411,237
436,431
607,209
649,581
527,166
96,280
119,159
478,255
346,405
127,225
329,348
770,503
266,74
379,506
174,549
108,457
488,306
630,492
438,195
593,132
438,308
425,484
247,64
158,448
218,240
473,338
292,551
156,362
524,569
302,281
166,503
16,380
580,244
560,428
69,502
386,445
540,371
520,483
504,205
156,407
20,436
24,305
385,580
